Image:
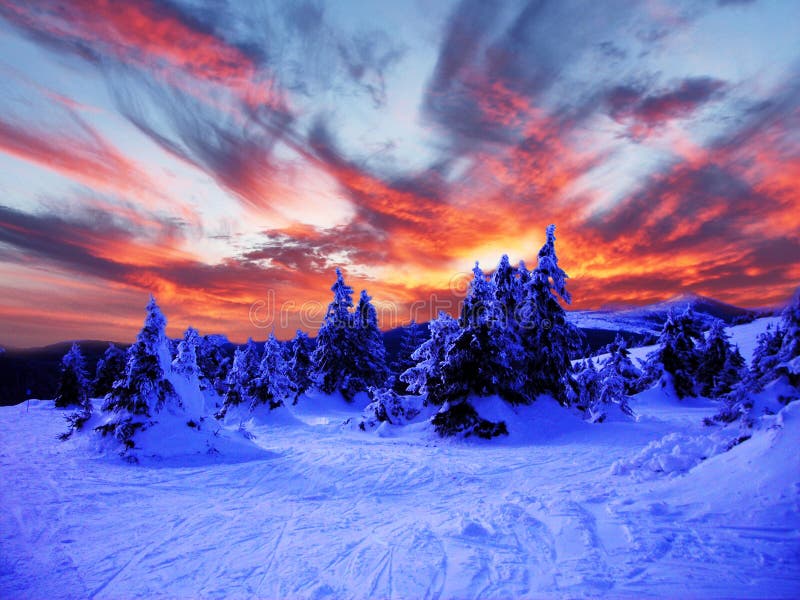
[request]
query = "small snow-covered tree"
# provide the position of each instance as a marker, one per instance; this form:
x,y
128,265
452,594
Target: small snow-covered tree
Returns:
x,y
719,365
765,355
349,356
332,358
425,377
271,387
110,368
411,340
585,394
482,356
675,363
388,406
370,361
619,362
789,353
300,365
241,377
185,362
549,340
145,389
73,388
213,361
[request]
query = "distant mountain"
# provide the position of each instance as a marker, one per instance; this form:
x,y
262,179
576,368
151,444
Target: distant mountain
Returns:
x,y
649,319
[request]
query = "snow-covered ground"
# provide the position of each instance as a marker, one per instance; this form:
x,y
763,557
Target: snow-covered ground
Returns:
x,y
560,508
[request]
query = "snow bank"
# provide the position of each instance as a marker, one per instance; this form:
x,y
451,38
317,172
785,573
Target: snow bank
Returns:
x,y
673,454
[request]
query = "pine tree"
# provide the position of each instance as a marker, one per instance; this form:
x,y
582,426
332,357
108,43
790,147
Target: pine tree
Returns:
x,y
411,340
789,353
213,361
548,338
482,356
619,361
241,377
110,368
271,387
300,365
765,355
585,395
332,358
425,377
73,388
720,365
675,363
185,363
370,353
145,389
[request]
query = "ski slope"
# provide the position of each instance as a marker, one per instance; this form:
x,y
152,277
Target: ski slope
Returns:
x,y
560,508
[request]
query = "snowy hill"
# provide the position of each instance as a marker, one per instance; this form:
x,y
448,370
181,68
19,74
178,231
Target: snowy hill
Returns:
x,y
316,509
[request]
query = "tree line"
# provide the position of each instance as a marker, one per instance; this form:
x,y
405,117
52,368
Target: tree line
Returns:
x,y
512,339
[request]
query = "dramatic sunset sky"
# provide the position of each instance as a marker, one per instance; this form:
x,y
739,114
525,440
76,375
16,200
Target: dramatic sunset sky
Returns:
x,y
220,153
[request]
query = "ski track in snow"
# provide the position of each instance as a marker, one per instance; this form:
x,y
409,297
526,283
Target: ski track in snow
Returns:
x,y
333,513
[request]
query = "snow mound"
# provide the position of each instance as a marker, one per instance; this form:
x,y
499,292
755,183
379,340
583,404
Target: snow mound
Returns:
x,y
172,437
673,454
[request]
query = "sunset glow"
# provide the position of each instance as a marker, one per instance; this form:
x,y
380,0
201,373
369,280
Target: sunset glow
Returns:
x,y
233,153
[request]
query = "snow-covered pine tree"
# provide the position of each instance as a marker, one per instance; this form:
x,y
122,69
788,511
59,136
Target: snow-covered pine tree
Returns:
x,y
331,359
765,355
719,366
675,363
185,362
411,340
271,387
789,353
478,360
341,360
145,388
241,377
585,394
300,365
483,355
214,362
388,406
425,378
110,368
73,388
548,338
619,361
370,364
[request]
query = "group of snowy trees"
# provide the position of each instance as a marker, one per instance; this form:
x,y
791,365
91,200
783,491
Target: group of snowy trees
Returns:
x,y
511,339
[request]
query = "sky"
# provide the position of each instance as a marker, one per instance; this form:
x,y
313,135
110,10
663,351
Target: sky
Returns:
x,y
228,156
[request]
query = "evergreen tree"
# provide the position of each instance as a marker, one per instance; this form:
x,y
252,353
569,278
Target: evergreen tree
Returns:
x,y
548,338
145,388
765,355
185,362
213,361
619,362
789,353
411,340
110,368
720,364
300,365
675,363
586,392
370,353
482,356
425,377
241,377
332,358
73,388
271,387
